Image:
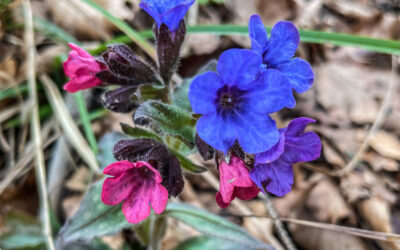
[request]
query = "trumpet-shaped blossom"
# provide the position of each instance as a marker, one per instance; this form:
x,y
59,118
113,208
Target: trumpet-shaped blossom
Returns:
x,y
273,168
235,102
168,12
138,185
278,51
235,182
81,67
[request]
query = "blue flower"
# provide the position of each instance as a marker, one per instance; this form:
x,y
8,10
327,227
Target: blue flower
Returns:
x,y
235,102
273,168
278,50
168,12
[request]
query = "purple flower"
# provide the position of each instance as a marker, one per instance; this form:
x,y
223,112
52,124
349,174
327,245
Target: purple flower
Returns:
x,y
273,168
168,12
235,102
278,50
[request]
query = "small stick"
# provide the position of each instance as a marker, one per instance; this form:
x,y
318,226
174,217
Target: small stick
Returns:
x,y
35,125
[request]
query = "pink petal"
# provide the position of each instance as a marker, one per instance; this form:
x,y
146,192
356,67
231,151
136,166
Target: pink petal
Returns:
x,y
240,173
74,85
159,198
246,193
221,202
137,207
81,52
158,177
117,168
226,175
117,189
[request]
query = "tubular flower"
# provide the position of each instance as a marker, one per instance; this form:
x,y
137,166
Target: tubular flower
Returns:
x,y
168,12
273,168
138,185
235,182
81,67
235,102
278,51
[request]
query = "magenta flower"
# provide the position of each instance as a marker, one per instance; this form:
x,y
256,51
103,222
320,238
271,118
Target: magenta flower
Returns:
x,y
138,185
81,67
235,182
273,168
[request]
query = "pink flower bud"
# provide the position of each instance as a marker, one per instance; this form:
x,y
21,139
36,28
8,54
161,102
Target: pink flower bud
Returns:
x,y
81,67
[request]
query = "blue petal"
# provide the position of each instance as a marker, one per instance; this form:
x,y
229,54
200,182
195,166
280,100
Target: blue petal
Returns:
x,y
270,93
301,146
218,130
203,92
299,72
169,12
274,153
256,132
258,34
282,43
239,67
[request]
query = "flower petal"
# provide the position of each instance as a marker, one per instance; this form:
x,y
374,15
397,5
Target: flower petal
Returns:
x,y
221,202
117,189
117,168
300,146
282,44
278,177
246,193
299,72
256,132
81,52
159,198
219,131
239,67
270,93
274,153
258,34
203,93
137,207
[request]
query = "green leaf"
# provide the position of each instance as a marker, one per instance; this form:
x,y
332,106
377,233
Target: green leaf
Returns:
x,y
207,242
106,145
180,98
168,120
188,164
144,231
24,231
93,219
151,92
213,225
137,132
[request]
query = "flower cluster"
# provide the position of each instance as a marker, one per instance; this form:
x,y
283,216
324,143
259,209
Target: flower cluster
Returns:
x,y
233,104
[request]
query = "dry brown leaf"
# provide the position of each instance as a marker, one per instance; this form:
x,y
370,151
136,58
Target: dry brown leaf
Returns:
x,y
377,214
379,163
78,181
386,144
328,205
82,20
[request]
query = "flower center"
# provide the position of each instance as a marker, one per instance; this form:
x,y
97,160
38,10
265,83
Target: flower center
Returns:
x,y
227,100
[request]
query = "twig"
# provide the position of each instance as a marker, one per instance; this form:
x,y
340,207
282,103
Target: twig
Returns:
x,y
377,124
277,222
35,125
381,236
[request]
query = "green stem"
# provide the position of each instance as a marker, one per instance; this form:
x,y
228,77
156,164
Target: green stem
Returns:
x,y
80,101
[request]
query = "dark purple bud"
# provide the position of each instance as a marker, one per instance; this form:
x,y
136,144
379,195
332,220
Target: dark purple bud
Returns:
x,y
168,48
205,150
120,100
125,68
237,150
158,156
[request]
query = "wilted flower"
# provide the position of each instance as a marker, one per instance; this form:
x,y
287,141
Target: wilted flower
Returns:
x,y
278,50
236,101
273,168
235,182
81,67
138,186
168,12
